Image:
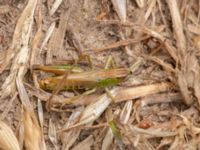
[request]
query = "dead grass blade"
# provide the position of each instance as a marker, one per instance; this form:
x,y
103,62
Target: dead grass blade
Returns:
x,y
168,67
194,29
140,3
117,134
127,50
19,49
182,81
40,114
120,8
69,138
55,6
52,134
150,8
48,35
33,136
195,130
177,144
170,48
141,91
151,132
55,46
58,49
23,95
107,141
178,26
85,144
188,79
94,110
8,140
126,112
21,133
124,94
36,40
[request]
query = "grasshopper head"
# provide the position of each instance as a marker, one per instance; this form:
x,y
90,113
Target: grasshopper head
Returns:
x,y
47,84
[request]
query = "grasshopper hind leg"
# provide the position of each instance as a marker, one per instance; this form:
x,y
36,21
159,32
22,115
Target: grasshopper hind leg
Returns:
x,y
78,97
88,59
110,63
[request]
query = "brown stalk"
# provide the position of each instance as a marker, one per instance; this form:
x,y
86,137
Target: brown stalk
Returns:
x,y
165,65
177,26
141,91
55,46
171,49
130,93
33,136
116,45
36,40
117,22
69,138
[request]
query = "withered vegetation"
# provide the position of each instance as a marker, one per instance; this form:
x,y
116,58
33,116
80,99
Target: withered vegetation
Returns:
x,y
99,74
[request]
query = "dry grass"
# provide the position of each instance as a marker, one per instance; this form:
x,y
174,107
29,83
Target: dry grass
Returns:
x,y
156,104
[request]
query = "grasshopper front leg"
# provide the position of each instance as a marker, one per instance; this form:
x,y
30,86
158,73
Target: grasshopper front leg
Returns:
x,y
110,62
109,94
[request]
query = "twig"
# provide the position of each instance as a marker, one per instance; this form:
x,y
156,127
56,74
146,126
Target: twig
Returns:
x,y
178,26
117,44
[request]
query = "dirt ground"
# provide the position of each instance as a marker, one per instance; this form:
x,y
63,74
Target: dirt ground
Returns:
x,y
142,57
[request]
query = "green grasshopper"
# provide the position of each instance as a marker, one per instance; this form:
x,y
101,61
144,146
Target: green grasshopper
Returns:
x,y
77,80
74,78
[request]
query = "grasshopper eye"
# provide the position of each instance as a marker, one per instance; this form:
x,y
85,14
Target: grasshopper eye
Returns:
x,y
47,84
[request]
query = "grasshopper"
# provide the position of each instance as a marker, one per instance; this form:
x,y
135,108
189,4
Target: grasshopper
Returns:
x,y
83,80
77,79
